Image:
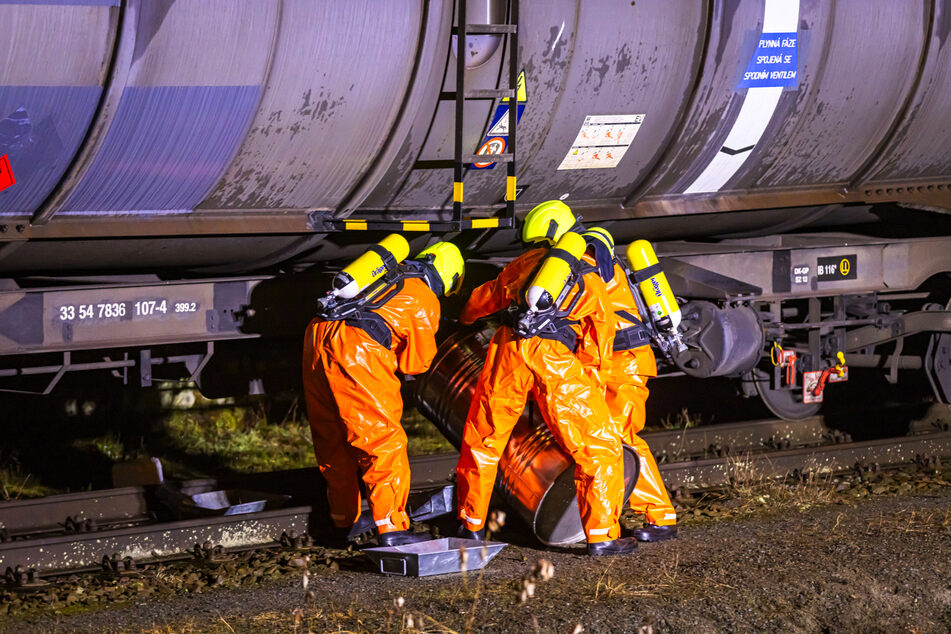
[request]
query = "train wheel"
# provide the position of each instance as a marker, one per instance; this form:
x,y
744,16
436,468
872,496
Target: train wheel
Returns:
x,y
787,404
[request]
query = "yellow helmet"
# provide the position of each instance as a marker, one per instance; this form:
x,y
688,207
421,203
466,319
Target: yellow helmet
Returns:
x,y
446,260
548,222
602,242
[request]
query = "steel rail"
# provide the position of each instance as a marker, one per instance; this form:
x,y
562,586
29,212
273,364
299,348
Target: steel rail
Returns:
x,y
83,551
774,433
824,459
161,540
131,504
86,550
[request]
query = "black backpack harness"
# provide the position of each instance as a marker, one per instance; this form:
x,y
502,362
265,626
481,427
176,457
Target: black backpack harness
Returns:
x,y
360,311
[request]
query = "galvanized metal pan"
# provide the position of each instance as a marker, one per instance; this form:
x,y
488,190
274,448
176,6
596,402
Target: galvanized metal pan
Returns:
x,y
435,557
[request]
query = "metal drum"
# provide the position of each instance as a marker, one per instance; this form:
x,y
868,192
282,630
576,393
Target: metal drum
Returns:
x,y
536,476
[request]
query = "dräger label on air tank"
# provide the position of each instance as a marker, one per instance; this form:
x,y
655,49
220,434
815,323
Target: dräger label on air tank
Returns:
x,y
837,267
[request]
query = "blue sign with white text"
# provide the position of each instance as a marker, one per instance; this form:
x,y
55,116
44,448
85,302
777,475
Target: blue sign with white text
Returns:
x,y
775,62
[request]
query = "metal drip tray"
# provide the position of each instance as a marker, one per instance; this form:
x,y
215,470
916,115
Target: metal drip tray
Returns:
x,y
220,502
436,557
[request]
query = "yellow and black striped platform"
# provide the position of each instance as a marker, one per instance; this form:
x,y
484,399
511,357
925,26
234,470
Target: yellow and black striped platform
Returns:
x,y
435,226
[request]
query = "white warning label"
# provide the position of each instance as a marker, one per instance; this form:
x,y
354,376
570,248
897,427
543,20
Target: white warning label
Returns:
x,y
810,381
602,141
501,127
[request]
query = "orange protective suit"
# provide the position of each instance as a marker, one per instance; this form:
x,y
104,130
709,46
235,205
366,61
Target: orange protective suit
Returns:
x,y
570,402
354,404
624,381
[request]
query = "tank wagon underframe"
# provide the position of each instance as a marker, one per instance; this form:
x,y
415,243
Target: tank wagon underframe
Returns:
x,y
815,295
753,303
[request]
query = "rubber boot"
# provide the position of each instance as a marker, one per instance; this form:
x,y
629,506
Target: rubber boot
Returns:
x,y
401,538
465,533
363,525
620,546
655,533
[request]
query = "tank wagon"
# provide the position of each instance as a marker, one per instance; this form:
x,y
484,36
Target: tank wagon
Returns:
x,y
185,169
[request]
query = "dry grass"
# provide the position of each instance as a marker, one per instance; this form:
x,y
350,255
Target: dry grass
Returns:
x,y
810,489
15,485
752,491
681,420
665,583
186,627
912,521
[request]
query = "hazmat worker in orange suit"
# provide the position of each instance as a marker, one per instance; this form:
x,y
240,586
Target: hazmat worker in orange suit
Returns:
x,y
570,401
353,392
624,381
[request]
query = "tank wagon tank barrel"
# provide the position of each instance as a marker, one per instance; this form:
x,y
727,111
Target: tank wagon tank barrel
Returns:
x,y
177,168
137,118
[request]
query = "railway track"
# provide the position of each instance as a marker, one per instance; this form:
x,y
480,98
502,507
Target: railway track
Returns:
x,y
67,533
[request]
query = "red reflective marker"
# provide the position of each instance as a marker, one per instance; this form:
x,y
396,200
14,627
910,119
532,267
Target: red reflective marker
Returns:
x,y
6,173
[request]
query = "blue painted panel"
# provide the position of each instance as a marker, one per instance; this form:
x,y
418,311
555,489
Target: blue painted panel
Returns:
x,y
774,63
41,128
167,147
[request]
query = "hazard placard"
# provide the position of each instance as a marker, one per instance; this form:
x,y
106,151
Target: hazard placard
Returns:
x,y
810,381
6,173
499,124
495,145
602,141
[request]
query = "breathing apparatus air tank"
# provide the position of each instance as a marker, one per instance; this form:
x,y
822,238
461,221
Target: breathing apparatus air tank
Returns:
x,y
377,261
556,274
654,288
551,284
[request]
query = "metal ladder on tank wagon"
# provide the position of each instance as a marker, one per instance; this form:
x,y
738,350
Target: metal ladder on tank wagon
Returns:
x,y
461,162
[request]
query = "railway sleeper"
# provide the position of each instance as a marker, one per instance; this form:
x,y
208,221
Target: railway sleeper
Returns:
x,y
116,564
20,578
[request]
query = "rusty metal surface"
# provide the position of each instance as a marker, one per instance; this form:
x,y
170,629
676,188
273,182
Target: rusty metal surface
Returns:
x,y
336,84
917,150
670,446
